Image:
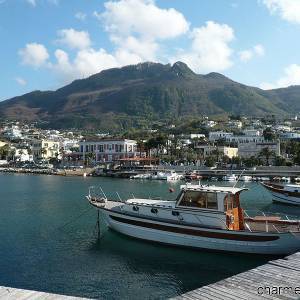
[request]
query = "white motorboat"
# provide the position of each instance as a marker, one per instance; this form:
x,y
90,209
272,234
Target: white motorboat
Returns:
x,y
203,217
169,176
286,179
284,193
230,177
141,176
246,178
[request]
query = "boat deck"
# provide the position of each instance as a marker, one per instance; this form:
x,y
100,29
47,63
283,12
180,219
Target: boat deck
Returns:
x,y
278,279
272,225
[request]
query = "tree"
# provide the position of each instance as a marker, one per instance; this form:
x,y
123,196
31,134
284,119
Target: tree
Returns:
x,y
269,134
280,161
4,151
251,162
267,154
43,152
210,161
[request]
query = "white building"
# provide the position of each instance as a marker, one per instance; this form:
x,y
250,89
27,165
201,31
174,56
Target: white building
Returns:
x,y
208,150
290,135
44,148
219,135
13,132
252,132
108,150
245,139
197,136
247,150
235,124
22,155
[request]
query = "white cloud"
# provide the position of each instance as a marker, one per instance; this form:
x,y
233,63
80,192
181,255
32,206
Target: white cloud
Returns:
x,y
21,81
259,50
246,55
31,2
74,39
291,77
143,18
35,2
138,30
34,54
288,10
210,49
138,27
87,62
80,16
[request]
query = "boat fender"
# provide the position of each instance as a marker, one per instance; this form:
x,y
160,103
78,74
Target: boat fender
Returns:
x,y
229,219
154,210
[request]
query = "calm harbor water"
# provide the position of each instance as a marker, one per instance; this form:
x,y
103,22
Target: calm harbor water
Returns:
x,y
48,242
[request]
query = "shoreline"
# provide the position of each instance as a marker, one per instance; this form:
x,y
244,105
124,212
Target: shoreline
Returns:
x,y
77,172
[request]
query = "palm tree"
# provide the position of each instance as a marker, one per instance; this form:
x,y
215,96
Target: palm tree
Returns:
x,y
140,146
4,151
43,152
267,154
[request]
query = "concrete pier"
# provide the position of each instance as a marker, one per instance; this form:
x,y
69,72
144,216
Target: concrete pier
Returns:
x,y
277,279
8,293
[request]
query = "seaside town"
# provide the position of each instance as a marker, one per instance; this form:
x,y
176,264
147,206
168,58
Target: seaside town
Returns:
x,y
232,143
150,149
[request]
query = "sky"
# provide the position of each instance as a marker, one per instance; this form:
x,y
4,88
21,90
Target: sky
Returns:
x,y
46,44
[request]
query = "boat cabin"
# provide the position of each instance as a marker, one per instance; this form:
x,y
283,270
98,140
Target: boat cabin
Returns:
x,y
214,199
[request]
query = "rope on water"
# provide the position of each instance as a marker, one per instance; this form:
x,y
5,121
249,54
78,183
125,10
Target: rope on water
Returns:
x,y
74,219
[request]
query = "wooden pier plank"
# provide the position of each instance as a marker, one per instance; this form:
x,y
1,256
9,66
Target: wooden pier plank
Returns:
x,y
277,273
8,293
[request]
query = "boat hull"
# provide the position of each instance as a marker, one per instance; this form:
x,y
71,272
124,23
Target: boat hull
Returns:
x,y
202,238
283,196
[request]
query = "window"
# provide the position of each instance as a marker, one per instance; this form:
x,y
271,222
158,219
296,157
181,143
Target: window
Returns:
x,y
199,200
230,202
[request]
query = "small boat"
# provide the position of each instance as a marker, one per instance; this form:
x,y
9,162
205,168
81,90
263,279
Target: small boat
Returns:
x,y
194,175
141,176
286,179
213,178
246,178
284,193
230,177
201,217
169,176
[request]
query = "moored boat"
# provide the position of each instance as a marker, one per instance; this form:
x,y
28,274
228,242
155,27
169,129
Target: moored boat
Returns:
x,y
284,193
246,178
230,177
203,217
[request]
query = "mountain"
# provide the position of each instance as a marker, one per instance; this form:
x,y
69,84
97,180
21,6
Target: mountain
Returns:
x,y
120,97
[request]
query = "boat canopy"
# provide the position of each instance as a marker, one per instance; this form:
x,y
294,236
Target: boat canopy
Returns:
x,y
213,188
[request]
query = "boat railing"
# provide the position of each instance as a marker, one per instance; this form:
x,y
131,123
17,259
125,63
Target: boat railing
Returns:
x,y
271,222
254,213
96,194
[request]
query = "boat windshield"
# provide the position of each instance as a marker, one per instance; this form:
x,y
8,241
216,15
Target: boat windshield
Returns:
x,y
199,199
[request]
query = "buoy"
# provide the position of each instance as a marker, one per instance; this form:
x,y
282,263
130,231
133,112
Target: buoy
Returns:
x,y
171,190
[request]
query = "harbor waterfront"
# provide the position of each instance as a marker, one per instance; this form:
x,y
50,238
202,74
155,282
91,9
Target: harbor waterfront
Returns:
x,y
48,242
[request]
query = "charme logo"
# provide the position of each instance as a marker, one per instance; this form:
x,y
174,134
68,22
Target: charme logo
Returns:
x,y
278,290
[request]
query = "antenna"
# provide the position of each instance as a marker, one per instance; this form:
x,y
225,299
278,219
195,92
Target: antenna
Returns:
x,y
239,178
